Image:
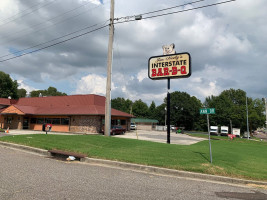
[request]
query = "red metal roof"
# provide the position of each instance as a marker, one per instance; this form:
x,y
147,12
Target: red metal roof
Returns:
x,y
4,101
66,105
90,99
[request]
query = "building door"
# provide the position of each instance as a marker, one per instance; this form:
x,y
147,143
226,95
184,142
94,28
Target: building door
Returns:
x,y
25,123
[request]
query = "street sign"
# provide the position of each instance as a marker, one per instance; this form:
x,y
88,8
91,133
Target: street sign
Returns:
x,y
207,110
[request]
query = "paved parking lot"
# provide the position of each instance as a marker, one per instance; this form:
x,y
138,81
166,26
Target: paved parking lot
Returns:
x,y
154,136
161,137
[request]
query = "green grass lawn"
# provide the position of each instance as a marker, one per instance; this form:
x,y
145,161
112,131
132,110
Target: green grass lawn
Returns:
x,y
237,158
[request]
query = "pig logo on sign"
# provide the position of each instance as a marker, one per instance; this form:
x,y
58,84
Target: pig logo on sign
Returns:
x,y
168,49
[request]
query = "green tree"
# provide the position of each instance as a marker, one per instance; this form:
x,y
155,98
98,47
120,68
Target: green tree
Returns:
x,y
151,110
185,110
51,91
230,105
8,87
160,114
22,92
140,109
122,104
256,116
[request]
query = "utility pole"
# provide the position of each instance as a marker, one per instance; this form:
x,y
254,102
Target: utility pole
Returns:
x,y
231,126
109,70
264,100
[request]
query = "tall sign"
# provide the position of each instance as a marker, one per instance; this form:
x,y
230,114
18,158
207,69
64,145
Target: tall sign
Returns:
x,y
170,65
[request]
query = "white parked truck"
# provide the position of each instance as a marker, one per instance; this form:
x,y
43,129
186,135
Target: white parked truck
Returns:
x,y
224,130
236,132
214,130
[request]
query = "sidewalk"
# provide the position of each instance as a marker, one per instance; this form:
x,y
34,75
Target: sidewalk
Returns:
x,y
153,136
29,132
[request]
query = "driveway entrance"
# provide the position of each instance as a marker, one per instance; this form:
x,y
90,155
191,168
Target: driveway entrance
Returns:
x,y
161,137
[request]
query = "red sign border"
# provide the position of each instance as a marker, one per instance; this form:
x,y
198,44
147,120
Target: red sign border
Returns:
x,y
170,77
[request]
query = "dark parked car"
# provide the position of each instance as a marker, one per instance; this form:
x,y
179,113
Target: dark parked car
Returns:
x,y
116,130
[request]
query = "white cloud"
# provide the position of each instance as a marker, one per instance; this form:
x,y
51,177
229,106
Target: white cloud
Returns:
x,y
200,32
25,86
91,84
142,75
229,43
97,2
7,9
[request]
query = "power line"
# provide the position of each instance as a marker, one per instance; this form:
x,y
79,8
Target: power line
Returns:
x,y
190,9
200,7
20,51
127,19
57,43
5,19
28,13
38,30
172,7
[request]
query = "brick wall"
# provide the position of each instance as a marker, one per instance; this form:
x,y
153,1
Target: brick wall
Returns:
x,y
85,124
16,122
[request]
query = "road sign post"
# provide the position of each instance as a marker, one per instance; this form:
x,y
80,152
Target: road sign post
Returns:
x,y
208,111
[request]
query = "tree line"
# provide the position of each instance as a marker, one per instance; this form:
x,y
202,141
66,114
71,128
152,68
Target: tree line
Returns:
x,y
230,107
9,88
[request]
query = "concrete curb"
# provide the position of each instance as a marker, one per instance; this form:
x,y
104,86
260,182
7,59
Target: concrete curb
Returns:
x,y
26,148
172,172
145,168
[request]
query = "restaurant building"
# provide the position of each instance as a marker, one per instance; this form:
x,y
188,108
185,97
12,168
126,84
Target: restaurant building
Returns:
x,y
74,113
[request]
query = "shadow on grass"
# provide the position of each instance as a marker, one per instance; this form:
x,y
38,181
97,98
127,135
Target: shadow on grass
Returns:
x,y
202,155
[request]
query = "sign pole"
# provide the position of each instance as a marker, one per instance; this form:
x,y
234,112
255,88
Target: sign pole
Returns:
x,y
209,137
168,112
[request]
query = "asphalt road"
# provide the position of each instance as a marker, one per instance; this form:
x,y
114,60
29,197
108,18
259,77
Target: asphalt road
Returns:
x,y
27,176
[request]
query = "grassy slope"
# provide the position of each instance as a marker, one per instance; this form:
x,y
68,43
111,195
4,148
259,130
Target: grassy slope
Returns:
x,y
237,158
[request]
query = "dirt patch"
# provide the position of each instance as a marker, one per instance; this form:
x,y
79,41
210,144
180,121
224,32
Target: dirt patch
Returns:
x,y
212,169
258,186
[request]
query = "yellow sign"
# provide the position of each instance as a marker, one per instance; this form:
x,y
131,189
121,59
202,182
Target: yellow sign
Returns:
x,y
169,66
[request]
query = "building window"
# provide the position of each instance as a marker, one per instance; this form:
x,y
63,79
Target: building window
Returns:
x,y
55,120
52,121
114,122
9,120
48,120
40,120
65,121
123,122
33,120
